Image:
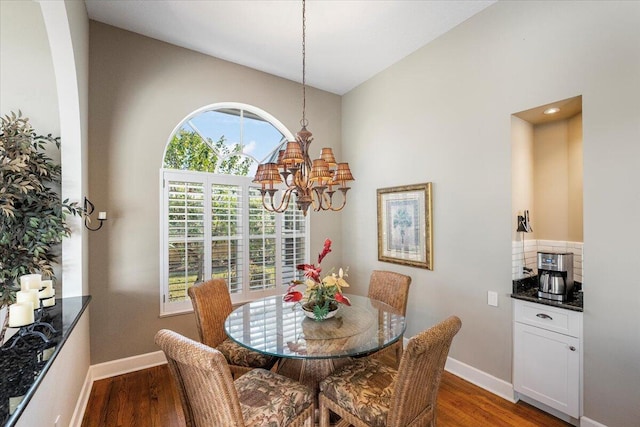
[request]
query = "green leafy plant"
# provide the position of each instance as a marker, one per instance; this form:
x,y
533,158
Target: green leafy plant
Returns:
x,y
32,215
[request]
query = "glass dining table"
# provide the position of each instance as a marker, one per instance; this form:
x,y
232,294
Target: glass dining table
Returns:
x,y
310,350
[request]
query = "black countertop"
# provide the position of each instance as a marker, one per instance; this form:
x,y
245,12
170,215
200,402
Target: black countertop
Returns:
x,y
23,367
527,289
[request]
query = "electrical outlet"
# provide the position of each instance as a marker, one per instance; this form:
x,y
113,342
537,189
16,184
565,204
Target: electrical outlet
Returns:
x,y
492,298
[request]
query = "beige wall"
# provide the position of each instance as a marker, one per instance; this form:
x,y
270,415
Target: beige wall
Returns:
x,y
521,174
576,173
456,96
140,90
558,176
551,181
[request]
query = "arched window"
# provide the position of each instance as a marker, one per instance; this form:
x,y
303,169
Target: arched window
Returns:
x,y
213,223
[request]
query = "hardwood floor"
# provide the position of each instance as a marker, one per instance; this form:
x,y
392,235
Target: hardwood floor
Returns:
x,y
148,398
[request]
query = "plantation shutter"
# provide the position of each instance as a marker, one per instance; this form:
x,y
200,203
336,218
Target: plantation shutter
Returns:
x,y
226,235
214,226
186,223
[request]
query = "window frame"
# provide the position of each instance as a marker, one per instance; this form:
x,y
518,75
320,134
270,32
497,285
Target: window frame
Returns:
x,y
176,308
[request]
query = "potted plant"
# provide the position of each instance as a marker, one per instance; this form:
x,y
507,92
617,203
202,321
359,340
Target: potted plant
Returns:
x,y
32,216
321,297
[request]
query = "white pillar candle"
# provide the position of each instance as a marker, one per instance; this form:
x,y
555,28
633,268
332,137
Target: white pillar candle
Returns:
x,y
30,295
13,403
102,215
30,281
46,293
20,314
47,353
47,284
49,302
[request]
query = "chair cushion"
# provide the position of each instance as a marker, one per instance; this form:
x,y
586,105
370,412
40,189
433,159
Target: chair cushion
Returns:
x,y
241,356
362,388
271,400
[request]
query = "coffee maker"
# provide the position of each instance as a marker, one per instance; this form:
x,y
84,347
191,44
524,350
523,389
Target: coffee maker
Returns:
x,y
555,275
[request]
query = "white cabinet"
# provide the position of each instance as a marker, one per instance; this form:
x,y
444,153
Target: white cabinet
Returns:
x,y
547,355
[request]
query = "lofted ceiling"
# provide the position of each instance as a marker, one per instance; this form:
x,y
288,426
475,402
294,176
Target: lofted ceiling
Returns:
x,y
347,41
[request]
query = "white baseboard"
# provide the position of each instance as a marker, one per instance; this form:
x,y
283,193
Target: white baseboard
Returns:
x,y
111,369
588,422
126,365
83,400
475,376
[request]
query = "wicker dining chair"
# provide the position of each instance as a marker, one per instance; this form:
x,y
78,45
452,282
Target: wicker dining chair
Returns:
x,y
210,396
369,393
212,304
391,288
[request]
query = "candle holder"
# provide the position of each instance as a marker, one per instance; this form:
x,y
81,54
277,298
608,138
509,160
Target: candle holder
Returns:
x,y
29,330
88,210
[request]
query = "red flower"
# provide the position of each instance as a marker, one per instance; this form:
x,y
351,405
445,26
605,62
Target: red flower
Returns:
x,y
325,250
310,271
341,298
293,296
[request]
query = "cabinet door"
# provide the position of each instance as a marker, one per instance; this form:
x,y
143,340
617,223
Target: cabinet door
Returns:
x,y
547,368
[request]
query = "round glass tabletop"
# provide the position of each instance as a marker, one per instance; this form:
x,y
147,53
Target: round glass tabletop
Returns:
x,y
279,328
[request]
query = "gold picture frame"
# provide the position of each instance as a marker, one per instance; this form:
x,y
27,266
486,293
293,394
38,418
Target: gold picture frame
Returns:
x,y
405,234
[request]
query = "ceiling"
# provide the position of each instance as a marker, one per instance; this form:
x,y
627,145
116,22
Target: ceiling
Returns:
x,y
566,108
347,41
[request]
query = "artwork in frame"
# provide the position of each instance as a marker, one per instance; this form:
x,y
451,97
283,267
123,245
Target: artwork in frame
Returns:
x,y
405,226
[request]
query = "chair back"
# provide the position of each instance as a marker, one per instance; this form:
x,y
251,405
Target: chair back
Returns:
x,y
416,389
211,304
391,288
207,392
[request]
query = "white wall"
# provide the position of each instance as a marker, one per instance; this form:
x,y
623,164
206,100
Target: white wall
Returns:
x,y
443,114
33,46
27,81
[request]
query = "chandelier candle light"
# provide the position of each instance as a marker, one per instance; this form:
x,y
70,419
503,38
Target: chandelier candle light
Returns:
x,y
313,183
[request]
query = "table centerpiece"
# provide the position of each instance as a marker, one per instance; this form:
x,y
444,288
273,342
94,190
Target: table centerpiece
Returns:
x,y
322,297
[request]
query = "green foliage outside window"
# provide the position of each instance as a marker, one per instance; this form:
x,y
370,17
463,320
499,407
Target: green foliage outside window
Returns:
x,y
188,151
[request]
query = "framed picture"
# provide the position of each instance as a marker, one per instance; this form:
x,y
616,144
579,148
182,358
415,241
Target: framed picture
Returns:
x,y
404,225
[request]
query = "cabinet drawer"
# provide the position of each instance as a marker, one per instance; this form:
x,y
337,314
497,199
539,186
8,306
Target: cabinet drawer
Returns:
x,y
566,322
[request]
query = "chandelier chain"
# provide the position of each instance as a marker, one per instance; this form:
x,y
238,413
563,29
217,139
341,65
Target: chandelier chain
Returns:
x,y
304,66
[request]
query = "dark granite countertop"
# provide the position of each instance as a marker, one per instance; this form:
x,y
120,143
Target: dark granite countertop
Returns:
x,y
527,290
23,366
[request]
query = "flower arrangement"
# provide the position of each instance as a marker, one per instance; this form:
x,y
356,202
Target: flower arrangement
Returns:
x,y
321,295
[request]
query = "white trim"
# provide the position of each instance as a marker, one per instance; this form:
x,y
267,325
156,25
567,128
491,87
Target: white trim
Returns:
x,y
588,422
73,160
483,380
126,365
83,400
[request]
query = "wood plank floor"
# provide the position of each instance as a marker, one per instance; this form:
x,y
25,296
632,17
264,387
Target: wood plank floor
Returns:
x,y
148,398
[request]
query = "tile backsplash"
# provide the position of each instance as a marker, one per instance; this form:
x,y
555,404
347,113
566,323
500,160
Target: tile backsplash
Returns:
x,y
528,257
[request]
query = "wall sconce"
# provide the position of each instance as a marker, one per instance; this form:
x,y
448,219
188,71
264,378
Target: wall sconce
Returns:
x,y
88,210
524,225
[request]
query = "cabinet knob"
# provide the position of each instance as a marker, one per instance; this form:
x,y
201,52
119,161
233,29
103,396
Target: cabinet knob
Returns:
x,y
544,316
572,348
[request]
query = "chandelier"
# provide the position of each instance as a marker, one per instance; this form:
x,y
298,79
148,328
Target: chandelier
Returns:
x,y
313,183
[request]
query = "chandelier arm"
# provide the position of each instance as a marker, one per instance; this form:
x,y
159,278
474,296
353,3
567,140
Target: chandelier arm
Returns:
x,y
329,198
284,201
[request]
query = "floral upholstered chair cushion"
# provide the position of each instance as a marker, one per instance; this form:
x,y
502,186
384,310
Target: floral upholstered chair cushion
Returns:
x,y
271,400
364,389
241,356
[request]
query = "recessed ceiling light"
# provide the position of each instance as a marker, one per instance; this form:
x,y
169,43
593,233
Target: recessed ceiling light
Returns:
x,y
551,110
